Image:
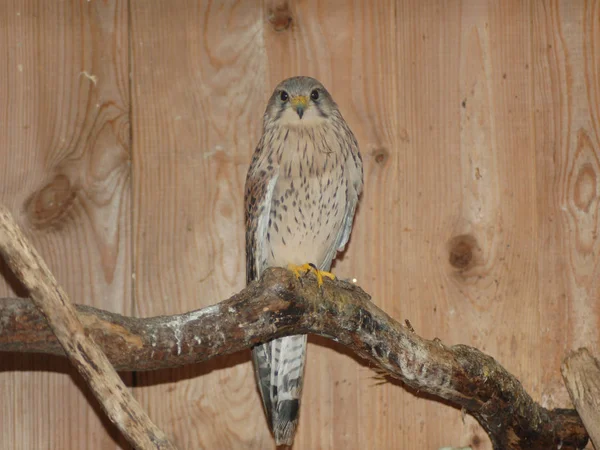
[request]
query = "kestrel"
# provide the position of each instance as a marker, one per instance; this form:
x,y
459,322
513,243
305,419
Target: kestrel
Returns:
x,y
301,193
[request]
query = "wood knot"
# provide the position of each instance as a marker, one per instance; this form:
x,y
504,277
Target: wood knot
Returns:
x,y
280,17
462,250
381,156
49,204
475,441
585,188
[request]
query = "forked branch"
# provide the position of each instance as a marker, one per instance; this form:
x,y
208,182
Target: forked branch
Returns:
x,y
62,318
278,305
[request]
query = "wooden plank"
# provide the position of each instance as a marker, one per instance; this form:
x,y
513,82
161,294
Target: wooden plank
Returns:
x,y
479,128
64,140
491,250
343,45
452,232
566,62
198,99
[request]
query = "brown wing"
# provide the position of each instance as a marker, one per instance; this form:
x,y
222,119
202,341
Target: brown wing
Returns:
x,y
354,184
260,184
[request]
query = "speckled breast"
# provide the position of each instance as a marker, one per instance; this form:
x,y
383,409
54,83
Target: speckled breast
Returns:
x,y
308,204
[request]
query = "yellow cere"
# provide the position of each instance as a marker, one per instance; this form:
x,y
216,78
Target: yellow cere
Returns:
x,y
299,100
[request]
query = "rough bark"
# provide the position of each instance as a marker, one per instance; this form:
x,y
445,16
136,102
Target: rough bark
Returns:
x,y
62,318
278,305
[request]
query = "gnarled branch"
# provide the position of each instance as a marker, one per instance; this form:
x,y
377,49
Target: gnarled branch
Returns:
x,y
278,305
117,402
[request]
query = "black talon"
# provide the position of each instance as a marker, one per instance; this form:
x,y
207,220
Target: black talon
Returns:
x,y
308,271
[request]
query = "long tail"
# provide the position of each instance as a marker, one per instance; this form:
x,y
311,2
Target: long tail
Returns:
x,y
279,368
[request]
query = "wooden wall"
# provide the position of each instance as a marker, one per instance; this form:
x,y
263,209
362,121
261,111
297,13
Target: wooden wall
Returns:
x,y
126,129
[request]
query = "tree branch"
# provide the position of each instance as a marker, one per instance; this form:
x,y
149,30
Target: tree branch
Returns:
x,y
278,305
114,397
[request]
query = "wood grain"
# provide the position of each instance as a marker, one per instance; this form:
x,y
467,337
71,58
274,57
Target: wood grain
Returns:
x,y
64,140
567,134
479,125
581,373
198,99
87,356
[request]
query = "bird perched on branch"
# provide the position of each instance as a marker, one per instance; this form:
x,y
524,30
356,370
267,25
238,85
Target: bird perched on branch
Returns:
x,y
301,193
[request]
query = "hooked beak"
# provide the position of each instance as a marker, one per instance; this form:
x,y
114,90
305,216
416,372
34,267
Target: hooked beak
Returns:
x,y
299,103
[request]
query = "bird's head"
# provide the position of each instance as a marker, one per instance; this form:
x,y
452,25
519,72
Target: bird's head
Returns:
x,y
299,102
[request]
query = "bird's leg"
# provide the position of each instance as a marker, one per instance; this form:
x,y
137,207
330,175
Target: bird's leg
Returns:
x,y
309,267
296,270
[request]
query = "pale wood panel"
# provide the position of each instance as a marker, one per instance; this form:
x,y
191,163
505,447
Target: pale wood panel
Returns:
x,y
566,63
452,232
479,128
198,100
349,45
64,140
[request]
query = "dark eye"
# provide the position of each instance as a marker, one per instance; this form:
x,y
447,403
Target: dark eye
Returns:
x,y
314,94
284,96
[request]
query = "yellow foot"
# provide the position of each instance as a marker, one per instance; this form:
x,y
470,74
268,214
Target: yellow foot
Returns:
x,y
320,274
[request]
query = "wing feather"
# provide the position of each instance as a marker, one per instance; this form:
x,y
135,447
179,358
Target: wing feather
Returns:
x,y
279,364
353,166
260,185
